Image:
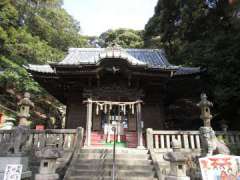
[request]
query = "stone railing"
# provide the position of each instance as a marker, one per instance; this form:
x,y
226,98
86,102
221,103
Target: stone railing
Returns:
x,y
231,138
63,138
160,141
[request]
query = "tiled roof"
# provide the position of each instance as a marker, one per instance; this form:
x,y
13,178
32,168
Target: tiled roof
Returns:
x,y
151,58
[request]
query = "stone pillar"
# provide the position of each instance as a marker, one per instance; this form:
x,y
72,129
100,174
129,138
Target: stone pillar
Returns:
x,y
139,124
150,138
88,123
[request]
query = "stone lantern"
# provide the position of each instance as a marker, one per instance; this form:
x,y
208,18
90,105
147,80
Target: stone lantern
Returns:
x,y
224,126
24,106
205,105
13,149
177,162
47,170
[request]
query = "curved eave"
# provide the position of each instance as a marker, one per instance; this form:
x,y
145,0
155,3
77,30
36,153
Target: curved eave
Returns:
x,y
44,75
89,67
189,71
41,70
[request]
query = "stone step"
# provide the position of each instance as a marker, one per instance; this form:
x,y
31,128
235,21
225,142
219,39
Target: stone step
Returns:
x,y
109,161
107,178
118,167
103,172
110,156
110,150
96,163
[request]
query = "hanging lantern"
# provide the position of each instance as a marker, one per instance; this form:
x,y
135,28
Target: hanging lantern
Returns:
x,y
124,109
132,108
105,108
97,109
101,106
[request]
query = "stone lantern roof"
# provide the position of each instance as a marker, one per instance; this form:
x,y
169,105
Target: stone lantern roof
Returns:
x,y
48,153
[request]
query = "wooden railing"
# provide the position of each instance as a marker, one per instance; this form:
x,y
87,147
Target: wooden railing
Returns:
x,y
63,138
190,140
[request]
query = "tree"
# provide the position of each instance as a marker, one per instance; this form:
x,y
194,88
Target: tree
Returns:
x,y
126,38
196,33
33,32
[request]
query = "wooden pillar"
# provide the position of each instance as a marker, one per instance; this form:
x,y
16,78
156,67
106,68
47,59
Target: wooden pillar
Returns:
x,y
139,125
89,123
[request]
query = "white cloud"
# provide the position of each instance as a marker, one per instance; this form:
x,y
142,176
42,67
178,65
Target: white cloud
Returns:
x,y
97,16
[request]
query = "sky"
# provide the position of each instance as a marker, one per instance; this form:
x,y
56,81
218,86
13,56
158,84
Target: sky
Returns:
x,y
97,16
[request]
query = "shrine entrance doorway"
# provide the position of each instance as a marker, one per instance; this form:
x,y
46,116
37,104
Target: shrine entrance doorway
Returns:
x,y
102,116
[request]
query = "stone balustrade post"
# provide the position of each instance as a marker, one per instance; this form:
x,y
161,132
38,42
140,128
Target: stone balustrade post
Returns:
x,y
150,138
79,138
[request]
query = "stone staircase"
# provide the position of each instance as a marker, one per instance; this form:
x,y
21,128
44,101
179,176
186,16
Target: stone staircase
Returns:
x,y
96,164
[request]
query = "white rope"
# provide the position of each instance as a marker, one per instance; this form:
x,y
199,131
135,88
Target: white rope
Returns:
x,y
103,105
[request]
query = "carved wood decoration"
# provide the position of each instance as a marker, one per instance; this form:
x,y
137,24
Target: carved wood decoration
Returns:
x,y
113,93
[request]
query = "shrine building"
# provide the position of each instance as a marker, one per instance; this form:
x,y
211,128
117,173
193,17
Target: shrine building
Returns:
x,y
128,88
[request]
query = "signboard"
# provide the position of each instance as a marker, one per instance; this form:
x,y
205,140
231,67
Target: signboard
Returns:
x,y
13,172
220,167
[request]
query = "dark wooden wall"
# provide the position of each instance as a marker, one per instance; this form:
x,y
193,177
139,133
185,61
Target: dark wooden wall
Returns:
x,y
153,115
76,113
157,95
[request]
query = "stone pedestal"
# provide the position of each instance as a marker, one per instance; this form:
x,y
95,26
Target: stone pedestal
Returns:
x,y
177,178
46,176
15,159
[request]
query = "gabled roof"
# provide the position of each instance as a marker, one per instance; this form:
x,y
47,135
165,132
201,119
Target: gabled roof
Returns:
x,y
148,58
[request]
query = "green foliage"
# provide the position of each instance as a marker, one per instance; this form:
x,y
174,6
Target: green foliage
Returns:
x,y
33,32
16,77
56,27
22,45
126,38
195,35
8,15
